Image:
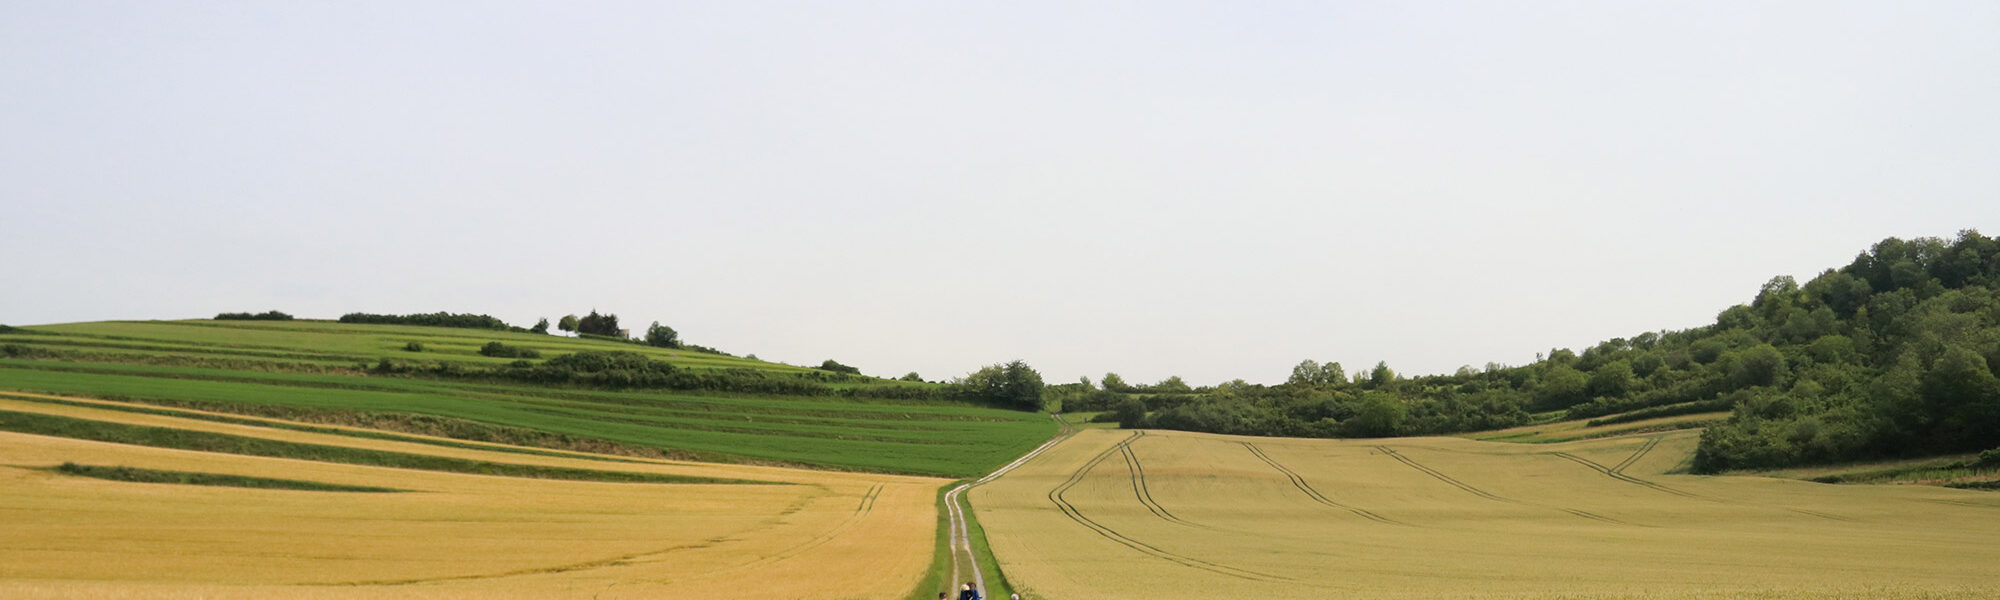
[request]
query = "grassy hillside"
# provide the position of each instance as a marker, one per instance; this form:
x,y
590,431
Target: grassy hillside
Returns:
x,y
329,372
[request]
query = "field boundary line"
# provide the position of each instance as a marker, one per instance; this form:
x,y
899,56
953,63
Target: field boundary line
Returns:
x,y
1299,481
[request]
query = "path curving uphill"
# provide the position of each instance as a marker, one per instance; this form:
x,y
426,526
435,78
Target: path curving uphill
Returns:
x,y
960,540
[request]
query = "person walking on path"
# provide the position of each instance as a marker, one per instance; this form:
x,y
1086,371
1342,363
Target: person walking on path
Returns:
x,y
968,592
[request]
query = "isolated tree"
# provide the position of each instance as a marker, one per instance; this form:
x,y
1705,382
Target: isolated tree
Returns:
x,y
832,366
568,323
541,326
661,336
1172,384
912,376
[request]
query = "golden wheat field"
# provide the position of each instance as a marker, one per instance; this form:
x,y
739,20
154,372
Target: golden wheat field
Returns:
x,y
1119,514
819,535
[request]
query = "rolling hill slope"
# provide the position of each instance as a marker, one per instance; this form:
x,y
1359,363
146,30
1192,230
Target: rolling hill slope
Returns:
x,y
366,375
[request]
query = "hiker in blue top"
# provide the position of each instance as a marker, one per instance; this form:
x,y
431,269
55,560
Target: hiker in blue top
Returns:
x,y
969,592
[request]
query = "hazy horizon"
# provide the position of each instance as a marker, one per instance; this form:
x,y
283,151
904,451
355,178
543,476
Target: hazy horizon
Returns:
x,y
1212,191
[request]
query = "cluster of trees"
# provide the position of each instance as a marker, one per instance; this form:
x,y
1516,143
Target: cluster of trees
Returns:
x,y
832,366
270,315
1318,401
1892,355
1012,385
436,319
593,324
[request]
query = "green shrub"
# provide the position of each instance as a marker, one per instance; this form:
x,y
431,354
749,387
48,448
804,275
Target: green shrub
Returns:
x,y
499,350
413,347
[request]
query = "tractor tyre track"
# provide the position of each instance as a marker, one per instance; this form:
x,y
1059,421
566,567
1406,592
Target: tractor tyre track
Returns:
x,y
1442,477
1056,496
1490,496
1139,487
1616,473
1306,487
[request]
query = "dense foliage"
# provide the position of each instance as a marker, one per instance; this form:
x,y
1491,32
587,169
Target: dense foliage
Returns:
x,y
661,336
1891,355
436,319
270,315
1012,385
596,324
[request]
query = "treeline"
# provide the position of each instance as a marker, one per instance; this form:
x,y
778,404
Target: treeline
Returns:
x,y
1326,404
269,315
1014,385
1892,355
436,319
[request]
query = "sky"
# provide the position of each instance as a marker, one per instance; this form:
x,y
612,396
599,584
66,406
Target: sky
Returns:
x,y
1208,190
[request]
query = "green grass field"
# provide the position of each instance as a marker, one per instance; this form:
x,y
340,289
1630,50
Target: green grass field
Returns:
x,y
315,371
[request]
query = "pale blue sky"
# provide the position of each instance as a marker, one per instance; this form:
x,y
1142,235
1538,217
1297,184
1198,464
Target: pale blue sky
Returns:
x,y
1214,190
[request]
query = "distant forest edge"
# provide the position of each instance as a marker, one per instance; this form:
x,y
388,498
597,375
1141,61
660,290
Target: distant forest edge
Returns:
x,y
1893,355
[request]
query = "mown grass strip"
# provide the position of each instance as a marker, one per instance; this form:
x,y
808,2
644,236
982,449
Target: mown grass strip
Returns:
x,y
138,475
182,439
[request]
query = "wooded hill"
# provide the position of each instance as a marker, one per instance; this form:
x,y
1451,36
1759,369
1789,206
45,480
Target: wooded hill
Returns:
x,y
1892,355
